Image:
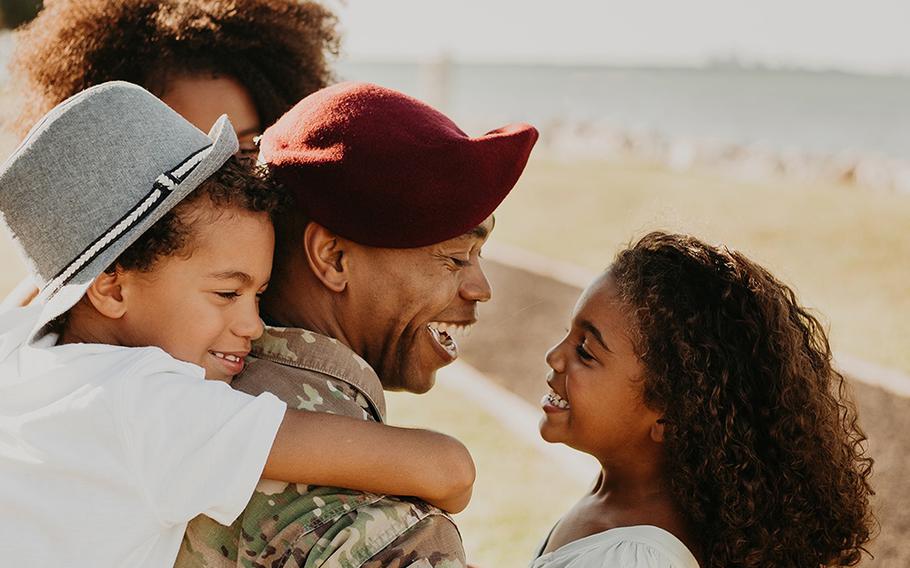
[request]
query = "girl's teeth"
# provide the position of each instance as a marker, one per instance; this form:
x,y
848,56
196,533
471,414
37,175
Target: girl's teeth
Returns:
x,y
553,399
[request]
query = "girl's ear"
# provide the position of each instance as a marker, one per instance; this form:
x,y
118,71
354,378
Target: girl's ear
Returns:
x,y
657,430
106,294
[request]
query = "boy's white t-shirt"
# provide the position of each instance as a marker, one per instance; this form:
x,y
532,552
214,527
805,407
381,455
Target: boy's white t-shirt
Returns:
x,y
107,452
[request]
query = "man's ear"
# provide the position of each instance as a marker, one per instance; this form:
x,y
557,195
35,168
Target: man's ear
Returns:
x,y
657,430
106,294
325,254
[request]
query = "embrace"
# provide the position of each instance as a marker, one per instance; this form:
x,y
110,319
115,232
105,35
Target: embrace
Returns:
x,y
198,380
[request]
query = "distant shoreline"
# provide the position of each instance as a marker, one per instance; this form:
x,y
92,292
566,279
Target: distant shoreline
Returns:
x,y
568,141
747,120
753,123
708,66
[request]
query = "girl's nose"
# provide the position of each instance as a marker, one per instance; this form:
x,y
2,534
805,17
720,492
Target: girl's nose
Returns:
x,y
555,359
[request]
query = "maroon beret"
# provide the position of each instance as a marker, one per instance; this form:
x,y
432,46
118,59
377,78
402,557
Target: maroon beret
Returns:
x,y
384,169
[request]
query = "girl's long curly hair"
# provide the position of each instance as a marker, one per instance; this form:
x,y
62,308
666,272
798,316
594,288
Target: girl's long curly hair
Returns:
x,y
277,49
764,453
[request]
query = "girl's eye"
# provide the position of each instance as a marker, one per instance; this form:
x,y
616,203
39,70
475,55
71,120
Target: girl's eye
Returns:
x,y
583,353
228,295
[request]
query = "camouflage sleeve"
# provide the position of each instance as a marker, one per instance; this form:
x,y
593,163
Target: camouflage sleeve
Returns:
x,y
434,542
296,526
291,526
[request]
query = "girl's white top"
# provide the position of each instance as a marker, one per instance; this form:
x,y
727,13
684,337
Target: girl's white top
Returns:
x,y
107,452
641,546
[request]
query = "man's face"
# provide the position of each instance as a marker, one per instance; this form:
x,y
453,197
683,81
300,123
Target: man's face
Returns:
x,y
407,304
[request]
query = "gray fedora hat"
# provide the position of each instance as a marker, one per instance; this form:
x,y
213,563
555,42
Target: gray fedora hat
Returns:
x,y
95,173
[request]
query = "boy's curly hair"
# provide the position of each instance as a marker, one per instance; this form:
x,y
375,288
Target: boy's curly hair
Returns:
x,y
277,49
765,455
238,185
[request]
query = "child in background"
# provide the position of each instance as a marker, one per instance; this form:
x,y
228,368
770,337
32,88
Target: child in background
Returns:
x,y
707,394
250,59
151,244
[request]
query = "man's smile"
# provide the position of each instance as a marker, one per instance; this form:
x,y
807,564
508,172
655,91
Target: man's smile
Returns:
x,y
442,335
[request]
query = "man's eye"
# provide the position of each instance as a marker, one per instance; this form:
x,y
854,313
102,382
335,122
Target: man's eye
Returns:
x,y
460,262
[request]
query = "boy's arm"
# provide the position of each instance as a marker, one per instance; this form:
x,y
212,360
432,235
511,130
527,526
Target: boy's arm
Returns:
x,y
372,457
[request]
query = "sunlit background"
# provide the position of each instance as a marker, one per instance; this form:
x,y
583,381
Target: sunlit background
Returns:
x,y
779,128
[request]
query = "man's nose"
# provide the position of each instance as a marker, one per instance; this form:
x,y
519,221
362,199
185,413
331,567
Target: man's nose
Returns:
x,y
475,286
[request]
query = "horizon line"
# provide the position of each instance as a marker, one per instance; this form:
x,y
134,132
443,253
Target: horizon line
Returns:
x,y
705,64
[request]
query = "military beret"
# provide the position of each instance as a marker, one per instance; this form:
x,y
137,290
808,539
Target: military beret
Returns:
x,y
384,169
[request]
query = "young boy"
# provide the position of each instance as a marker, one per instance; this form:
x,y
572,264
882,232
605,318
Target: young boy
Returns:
x,y
150,244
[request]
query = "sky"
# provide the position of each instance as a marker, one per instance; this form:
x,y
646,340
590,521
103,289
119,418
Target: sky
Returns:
x,y
868,36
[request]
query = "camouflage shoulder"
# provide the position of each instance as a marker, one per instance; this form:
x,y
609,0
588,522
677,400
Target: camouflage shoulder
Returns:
x,y
303,389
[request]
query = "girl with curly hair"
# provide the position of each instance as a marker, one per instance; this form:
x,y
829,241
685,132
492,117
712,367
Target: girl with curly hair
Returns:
x,y
707,394
250,59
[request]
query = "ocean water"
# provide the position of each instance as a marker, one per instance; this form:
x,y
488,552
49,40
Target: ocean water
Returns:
x,y
820,113
815,112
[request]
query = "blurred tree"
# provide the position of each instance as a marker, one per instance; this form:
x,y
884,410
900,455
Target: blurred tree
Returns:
x,y
14,13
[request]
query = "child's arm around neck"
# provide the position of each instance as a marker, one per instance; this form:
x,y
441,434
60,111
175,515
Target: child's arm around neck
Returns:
x,y
372,457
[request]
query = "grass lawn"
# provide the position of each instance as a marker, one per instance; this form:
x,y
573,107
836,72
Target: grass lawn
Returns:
x,y
846,250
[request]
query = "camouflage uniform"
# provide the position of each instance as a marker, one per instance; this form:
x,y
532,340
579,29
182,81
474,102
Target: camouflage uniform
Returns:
x,y
296,526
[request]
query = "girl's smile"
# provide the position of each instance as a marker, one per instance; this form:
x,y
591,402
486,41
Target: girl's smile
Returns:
x,y
595,403
553,402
